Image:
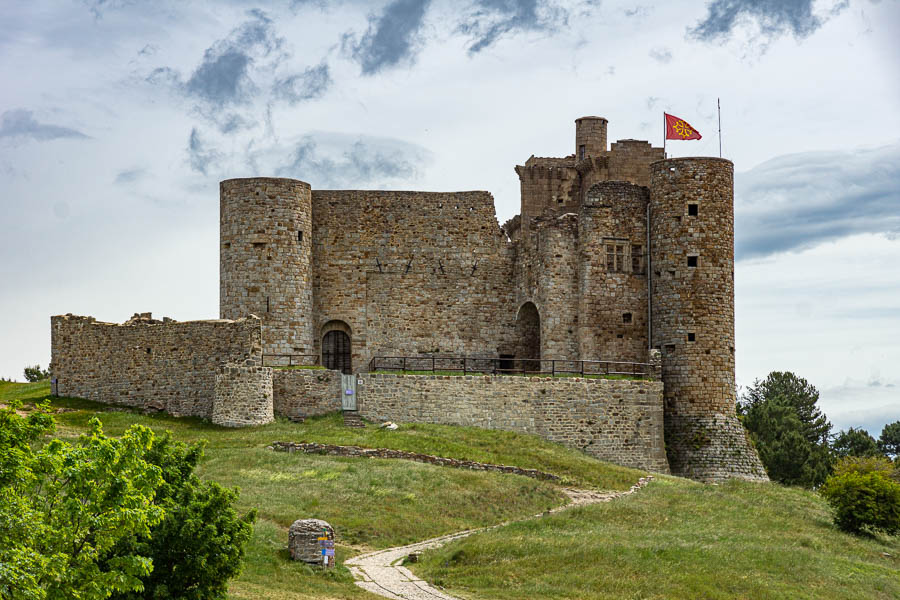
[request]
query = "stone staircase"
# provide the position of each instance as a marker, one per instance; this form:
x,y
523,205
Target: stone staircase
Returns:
x,y
352,419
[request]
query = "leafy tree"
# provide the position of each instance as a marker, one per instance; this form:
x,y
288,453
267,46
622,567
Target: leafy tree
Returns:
x,y
35,373
889,441
863,497
788,428
200,543
63,506
855,442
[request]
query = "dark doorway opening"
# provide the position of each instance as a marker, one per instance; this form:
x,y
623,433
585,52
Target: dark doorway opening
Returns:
x,y
528,333
336,352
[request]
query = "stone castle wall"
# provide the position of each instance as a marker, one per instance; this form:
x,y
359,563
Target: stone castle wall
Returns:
x,y
243,396
145,363
412,272
301,393
619,421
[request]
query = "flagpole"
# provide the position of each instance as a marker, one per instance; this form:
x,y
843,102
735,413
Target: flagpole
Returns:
x,y
664,134
719,106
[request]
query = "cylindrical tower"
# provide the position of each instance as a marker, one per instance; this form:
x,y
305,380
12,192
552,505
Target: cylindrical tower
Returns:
x,y
590,137
265,261
692,306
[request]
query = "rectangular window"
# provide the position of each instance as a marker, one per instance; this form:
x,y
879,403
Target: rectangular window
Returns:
x,y
620,257
626,317
610,257
300,236
693,210
581,152
637,259
692,261
691,337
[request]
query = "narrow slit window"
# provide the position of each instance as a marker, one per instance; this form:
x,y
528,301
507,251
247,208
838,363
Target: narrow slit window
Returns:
x,y
581,152
620,257
693,210
300,236
692,261
610,257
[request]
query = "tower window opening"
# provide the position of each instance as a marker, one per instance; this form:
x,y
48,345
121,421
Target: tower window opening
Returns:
x,y
693,210
692,337
259,244
581,152
300,236
615,258
626,317
637,259
692,261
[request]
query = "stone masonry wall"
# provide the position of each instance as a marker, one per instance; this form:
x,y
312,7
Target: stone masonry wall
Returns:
x,y
301,393
412,272
146,363
243,396
619,421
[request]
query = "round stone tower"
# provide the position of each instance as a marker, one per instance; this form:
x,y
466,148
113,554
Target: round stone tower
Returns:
x,y
265,265
692,306
590,137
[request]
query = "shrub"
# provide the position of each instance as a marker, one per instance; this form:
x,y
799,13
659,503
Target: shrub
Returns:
x,y
34,373
868,464
863,497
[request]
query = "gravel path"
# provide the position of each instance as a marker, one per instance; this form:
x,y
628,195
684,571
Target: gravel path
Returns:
x,y
380,572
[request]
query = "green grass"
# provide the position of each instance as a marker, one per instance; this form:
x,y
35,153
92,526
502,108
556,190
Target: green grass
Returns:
x,y
675,539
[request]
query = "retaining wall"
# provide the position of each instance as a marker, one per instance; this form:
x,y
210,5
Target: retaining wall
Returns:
x,y
301,393
620,421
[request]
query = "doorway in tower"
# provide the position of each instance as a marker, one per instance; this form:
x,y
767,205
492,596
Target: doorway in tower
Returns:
x,y
336,347
528,334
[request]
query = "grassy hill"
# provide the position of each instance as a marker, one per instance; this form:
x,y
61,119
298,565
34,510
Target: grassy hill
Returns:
x,y
674,539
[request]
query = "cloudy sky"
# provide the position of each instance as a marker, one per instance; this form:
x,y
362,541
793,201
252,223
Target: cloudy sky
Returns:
x,y
118,118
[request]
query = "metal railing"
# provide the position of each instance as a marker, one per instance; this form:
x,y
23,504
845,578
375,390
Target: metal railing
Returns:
x,y
512,366
290,360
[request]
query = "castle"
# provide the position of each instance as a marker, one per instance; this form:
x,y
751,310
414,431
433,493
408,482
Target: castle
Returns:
x,y
617,252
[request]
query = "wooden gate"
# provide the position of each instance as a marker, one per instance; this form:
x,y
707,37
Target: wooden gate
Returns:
x,y
336,352
348,392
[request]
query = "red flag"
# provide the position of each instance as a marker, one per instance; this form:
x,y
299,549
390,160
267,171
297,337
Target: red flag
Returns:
x,y
679,129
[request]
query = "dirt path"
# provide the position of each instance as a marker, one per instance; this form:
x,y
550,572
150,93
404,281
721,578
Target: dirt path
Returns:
x,y
381,573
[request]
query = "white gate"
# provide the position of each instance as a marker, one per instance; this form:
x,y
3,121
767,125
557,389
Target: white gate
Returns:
x,y
348,392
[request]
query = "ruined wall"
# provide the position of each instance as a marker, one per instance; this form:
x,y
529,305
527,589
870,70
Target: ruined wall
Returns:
x,y
301,393
243,396
547,184
145,363
265,259
612,295
412,272
613,420
693,317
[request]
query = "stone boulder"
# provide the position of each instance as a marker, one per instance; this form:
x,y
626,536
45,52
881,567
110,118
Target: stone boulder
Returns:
x,y
303,539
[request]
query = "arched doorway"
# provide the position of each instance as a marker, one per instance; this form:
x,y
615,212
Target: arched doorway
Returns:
x,y
528,335
336,348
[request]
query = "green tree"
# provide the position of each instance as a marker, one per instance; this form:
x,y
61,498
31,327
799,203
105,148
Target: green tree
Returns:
x,y
889,440
200,543
855,442
788,428
35,373
63,506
